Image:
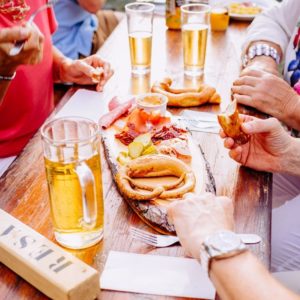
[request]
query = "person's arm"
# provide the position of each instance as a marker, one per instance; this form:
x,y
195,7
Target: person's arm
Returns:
x,y
238,277
269,94
274,27
244,277
290,162
4,84
91,6
265,63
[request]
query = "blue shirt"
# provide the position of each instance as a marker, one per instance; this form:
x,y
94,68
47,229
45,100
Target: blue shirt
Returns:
x,y
75,30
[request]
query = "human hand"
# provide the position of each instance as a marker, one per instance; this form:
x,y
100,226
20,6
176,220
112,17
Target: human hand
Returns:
x,y
267,93
31,53
198,216
267,148
81,71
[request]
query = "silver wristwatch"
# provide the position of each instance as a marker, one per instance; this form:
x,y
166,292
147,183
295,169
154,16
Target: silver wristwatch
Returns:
x,y
222,244
259,50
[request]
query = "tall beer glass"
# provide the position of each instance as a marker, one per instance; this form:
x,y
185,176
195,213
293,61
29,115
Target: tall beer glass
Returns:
x,y
73,170
195,24
140,23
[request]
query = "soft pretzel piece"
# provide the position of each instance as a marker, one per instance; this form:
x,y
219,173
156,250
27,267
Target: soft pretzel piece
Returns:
x,y
186,97
155,166
231,124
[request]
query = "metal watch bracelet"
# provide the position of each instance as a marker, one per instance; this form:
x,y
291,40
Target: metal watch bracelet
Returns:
x,y
213,247
260,50
8,78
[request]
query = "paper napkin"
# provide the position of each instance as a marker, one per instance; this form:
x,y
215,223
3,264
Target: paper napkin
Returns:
x,y
158,275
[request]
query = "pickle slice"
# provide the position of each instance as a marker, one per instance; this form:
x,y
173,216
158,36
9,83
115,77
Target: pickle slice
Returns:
x,y
145,139
150,150
135,149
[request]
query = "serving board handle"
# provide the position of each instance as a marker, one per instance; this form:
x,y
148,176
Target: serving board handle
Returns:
x,y
52,270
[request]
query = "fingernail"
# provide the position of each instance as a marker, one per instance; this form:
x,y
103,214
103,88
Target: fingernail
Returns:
x,y
24,33
247,126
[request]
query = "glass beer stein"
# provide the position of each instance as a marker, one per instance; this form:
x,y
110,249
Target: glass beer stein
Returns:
x,y
73,170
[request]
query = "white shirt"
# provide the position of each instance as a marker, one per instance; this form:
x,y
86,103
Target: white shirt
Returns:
x,y
280,25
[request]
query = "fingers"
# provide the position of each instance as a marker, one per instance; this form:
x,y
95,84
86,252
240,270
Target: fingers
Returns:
x,y
107,69
243,99
34,44
246,80
236,154
83,67
103,81
260,126
190,200
242,90
246,118
229,143
14,34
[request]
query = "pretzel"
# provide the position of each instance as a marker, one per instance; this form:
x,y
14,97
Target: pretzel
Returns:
x,y
231,124
155,166
186,97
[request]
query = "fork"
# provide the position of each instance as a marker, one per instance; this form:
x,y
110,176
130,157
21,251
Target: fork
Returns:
x,y
159,240
18,46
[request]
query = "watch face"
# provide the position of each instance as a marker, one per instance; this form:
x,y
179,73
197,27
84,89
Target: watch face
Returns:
x,y
224,241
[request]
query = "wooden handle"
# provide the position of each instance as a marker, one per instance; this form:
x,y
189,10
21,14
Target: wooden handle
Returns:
x,y
49,268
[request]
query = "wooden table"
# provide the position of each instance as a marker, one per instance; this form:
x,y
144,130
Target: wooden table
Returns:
x,y
23,189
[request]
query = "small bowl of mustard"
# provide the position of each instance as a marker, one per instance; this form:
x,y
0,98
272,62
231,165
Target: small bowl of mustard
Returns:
x,y
153,102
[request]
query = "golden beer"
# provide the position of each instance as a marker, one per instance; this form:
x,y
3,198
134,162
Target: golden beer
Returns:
x,y
140,49
66,197
194,46
73,170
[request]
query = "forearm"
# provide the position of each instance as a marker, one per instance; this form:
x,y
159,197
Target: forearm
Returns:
x,y
265,63
290,161
58,60
292,108
244,277
4,84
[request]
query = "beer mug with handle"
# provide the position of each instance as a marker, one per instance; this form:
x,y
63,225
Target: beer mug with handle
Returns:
x,y
73,170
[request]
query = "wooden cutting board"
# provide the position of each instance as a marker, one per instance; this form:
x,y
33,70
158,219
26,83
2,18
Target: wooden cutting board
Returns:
x,y
154,212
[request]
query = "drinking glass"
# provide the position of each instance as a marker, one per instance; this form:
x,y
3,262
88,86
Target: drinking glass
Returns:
x,y
73,170
140,24
195,24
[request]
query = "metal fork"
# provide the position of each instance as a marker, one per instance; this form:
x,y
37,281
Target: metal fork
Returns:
x,y
16,49
159,240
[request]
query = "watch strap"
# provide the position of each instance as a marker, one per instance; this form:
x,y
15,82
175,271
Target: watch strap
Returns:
x,y
207,253
260,50
8,78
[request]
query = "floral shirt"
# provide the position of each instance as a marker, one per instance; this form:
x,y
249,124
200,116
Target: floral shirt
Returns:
x,y
293,66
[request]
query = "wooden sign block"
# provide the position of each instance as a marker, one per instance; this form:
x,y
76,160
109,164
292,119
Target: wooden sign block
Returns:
x,y
49,268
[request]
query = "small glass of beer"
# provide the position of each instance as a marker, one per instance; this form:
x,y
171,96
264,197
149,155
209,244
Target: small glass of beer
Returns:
x,y
195,24
140,23
73,170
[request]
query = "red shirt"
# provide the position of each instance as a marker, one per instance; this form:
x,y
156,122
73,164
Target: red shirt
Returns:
x,y
29,98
